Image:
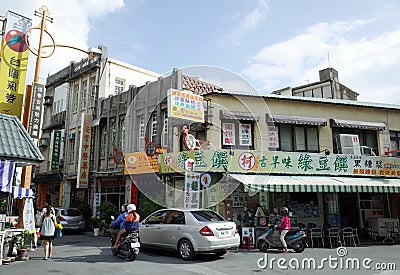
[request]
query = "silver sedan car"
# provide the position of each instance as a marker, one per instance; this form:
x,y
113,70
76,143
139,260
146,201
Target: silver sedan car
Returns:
x,y
189,231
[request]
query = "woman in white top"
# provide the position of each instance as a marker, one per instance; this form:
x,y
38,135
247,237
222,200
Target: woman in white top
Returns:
x,y
48,225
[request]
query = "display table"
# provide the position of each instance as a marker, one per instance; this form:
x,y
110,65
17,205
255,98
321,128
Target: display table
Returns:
x,y
3,235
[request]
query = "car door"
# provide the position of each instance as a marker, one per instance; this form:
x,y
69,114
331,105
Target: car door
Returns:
x,y
173,228
151,229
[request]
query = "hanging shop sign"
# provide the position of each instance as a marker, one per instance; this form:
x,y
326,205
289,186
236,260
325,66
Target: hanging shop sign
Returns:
x,y
55,156
140,162
242,161
192,190
185,105
84,151
14,63
36,110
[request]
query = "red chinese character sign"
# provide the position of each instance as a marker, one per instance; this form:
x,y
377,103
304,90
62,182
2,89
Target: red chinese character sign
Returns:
x,y
84,152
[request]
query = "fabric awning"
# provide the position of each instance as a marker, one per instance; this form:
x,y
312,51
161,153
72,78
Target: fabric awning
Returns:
x,y
358,124
296,120
7,168
239,115
276,183
21,193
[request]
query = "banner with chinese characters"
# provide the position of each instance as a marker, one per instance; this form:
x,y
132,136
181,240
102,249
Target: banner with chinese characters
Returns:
x,y
300,163
14,63
185,105
56,146
36,110
192,190
84,152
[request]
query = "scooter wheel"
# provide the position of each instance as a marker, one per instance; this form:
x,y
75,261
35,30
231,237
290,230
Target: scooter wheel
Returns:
x,y
262,245
114,252
132,257
300,248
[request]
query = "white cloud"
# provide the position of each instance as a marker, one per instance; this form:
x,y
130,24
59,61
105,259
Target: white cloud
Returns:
x,y
70,27
248,22
365,64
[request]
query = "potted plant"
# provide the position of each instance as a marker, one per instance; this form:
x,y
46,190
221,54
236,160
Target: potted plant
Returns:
x,y
21,242
106,210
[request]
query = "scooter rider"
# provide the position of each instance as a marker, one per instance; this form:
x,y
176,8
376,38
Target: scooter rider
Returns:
x,y
131,223
120,222
285,227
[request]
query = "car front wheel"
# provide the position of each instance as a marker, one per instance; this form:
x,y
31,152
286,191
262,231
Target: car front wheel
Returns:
x,y
185,250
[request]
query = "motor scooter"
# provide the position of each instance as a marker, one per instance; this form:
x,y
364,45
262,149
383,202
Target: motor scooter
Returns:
x,y
128,246
270,238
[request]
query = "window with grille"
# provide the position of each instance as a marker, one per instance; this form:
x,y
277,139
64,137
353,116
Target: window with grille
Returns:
x,y
153,129
113,135
121,133
297,138
142,132
394,140
83,93
119,85
103,140
165,130
75,95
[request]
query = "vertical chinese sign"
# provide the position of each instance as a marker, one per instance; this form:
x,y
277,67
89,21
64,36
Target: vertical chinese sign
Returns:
x,y
192,190
84,152
228,131
36,110
14,63
55,156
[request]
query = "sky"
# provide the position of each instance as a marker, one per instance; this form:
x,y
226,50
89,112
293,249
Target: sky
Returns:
x,y
257,44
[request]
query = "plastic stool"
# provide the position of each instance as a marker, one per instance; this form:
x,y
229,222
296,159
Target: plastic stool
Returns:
x,y
248,243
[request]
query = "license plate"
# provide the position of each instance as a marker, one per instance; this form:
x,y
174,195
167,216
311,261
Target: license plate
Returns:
x,y
224,233
74,227
134,245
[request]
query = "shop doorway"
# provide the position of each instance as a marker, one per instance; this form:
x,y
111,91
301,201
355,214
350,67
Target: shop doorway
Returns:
x,y
349,214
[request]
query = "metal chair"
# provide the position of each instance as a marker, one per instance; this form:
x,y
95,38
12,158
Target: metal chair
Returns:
x,y
348,236
355,234
316,233
391,232
334,235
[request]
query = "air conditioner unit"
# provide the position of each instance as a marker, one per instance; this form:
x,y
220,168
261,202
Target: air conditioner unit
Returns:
x,y
349,144
48,100
367,151
44,142
71,136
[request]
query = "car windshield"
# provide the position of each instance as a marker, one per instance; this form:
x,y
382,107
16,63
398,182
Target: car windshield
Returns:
x,y
206,216
70,212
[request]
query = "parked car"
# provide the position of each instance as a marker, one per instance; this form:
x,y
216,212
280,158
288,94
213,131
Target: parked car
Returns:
x,y
189,231
70,218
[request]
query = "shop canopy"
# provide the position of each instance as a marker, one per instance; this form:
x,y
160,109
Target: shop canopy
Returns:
x,y
280,183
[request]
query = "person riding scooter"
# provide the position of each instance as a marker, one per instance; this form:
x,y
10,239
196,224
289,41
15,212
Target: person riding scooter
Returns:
x,y
285,227
119,222
131,223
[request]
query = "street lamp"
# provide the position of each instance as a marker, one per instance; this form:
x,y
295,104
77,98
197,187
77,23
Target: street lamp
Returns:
x,y
45,15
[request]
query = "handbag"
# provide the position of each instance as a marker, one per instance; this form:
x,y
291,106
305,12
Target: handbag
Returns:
x,y
58,232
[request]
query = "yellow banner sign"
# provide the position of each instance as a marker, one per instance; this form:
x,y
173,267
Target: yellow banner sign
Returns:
x,y
14,63
140,163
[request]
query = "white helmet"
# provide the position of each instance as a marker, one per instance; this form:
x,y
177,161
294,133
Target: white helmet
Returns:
x,y
131,207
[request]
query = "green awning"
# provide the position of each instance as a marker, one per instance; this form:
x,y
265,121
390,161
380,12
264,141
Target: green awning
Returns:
x,y
276,183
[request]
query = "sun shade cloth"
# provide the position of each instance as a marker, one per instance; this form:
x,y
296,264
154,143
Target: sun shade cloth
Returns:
x,y
296,120
7,168
358,124
275,183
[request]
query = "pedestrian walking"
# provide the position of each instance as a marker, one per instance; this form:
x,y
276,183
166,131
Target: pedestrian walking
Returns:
x,y
48,225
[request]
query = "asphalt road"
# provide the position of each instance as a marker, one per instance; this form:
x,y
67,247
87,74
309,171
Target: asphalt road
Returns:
x,y
85,254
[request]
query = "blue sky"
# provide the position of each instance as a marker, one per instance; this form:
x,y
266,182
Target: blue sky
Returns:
x,y
270,44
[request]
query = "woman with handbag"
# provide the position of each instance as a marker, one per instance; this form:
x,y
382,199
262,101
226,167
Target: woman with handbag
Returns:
x,y
48,225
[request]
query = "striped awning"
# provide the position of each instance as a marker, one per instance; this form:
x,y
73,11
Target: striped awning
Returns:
x,y
21,193
276,183
358,124
296,120
7,168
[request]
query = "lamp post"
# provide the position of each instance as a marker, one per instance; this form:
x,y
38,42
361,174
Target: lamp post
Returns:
x,y
45,16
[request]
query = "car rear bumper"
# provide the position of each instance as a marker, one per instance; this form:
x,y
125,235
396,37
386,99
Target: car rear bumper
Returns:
x,y
80,226
207,244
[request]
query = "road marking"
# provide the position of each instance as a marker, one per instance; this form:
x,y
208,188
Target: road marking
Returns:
x,y
200,269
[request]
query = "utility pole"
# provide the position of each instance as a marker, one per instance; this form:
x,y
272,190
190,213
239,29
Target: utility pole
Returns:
x,y
27,170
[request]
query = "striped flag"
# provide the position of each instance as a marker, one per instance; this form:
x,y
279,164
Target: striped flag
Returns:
x,y
7,168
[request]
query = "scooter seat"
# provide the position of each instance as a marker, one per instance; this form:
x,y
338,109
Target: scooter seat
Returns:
x,y
293,230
